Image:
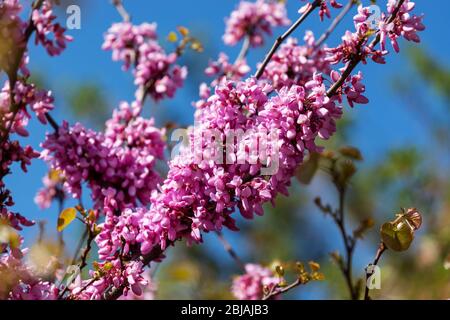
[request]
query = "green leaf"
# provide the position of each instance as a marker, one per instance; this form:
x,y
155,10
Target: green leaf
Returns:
x,y
397,237
65,218
306,171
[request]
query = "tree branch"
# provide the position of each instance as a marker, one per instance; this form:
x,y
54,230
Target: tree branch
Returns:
x,y
283,37
228,248
357,57
335,23
381,248
121,9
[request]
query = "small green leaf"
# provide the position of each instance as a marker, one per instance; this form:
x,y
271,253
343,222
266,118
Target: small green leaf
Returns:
x,y
65,218
397,237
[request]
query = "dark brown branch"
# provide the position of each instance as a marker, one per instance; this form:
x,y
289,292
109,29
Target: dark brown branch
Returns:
x,y
381,248
285,35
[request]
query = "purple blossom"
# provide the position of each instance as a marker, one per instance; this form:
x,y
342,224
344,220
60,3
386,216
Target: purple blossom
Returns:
x,y
254,19
250,286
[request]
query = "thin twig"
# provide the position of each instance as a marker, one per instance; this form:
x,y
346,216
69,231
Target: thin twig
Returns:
x,y
335,23
121,9
381,248
244,49
78,249
52,122
228,248
276,290
349,243
283,37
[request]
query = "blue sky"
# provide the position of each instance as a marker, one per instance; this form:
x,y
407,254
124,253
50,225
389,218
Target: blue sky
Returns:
x,y
382,124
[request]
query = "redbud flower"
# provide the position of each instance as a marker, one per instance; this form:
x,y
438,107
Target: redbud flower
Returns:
x,y
254,19
250,286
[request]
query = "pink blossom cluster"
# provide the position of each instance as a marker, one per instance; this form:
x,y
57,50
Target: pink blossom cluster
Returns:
x,y
254,19
51,190
148,290
12,152
250,286
19,283
155,71
222,69
118,165
296,64
200,197
110,274
44,22
24,94
404,25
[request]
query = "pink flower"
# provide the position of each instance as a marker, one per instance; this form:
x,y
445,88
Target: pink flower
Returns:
x,y
250,286
223,70
324,9
254,19
43,20
296,64
154,69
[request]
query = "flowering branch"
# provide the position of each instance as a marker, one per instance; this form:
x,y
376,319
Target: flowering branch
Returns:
x,y
284,36
116,293
357,58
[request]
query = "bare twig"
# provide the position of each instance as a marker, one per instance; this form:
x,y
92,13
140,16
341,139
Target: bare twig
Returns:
x,y
84,256
335,23
244,49
121,9
381,248
276,290
228,248
285,35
